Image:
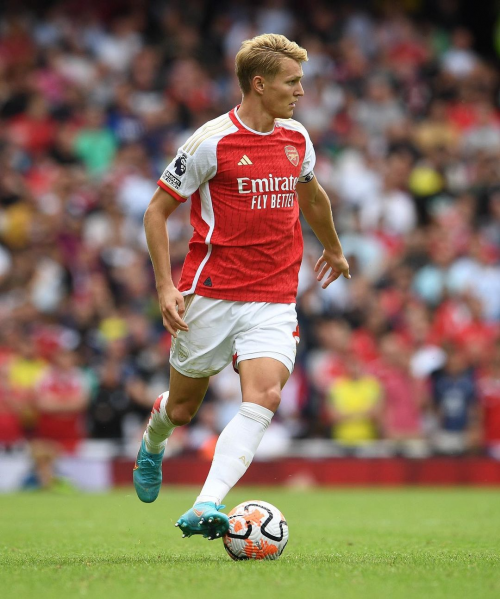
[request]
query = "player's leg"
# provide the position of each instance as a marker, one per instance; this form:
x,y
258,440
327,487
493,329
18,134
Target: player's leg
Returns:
x,y
261,382
262,339
173,408
265,355
195,355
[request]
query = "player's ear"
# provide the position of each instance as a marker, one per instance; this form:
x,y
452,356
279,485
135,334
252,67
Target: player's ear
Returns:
x,y
258,84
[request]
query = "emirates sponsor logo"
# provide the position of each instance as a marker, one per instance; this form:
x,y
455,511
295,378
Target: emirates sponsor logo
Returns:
x,y
272,183
260,188
292,155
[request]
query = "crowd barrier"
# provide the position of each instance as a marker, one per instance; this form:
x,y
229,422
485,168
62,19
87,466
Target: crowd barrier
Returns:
x,y
103,470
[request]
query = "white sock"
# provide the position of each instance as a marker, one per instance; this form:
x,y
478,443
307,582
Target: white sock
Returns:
x,y
159,427
234,451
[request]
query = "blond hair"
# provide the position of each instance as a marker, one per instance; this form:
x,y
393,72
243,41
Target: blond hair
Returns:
x,y
263,55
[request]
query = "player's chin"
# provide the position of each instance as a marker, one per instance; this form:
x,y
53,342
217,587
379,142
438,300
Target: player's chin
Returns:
x,y
284,113
288,113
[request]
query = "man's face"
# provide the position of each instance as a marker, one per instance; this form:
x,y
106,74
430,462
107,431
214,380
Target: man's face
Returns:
x,y
280,94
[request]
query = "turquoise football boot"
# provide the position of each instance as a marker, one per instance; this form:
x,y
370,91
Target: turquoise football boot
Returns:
x,y
204,519
147,474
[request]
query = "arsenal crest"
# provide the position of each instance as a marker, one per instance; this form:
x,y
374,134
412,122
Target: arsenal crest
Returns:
x,y
292,155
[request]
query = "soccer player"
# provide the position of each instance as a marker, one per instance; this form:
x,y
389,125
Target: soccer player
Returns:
x,y
247,172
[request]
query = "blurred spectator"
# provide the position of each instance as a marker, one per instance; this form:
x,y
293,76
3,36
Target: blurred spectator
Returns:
x,y
379,109
109,403
11,428
484,135
404,396
95,144
489,396
43,476
436,131
391,211
460,60
24,372
203,437
330,359
61,402
355,403
33,130
454,396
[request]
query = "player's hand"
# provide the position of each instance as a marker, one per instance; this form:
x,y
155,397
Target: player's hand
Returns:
x,y
333,265
172,309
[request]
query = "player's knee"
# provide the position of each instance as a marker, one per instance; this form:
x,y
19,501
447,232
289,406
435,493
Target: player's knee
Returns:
x,y
270,399
273,399
179,415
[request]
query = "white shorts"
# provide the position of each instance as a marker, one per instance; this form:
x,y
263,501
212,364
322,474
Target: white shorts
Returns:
x,y
222,331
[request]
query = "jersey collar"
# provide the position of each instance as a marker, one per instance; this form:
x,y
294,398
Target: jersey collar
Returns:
x,y
233,115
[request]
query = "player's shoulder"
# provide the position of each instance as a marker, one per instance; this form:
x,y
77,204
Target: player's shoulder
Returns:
x,y
293,126
209,134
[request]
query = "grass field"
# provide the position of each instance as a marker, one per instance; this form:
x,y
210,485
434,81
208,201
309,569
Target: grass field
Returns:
x,y
343,543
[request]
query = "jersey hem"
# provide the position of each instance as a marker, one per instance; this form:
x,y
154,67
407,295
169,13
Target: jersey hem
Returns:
x,y
242,297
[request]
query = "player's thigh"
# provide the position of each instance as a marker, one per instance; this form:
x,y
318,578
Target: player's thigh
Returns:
x,y
262,380
271,332
206,348
185,396
265,353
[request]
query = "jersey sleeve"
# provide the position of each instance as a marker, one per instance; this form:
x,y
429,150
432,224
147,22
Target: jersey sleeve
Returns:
x,y
307,170
187,171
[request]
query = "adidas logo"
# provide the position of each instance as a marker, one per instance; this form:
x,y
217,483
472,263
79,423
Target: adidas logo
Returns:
x,y
244,460
208,282
245,161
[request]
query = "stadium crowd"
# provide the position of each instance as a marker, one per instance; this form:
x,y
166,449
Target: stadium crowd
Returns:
x,y
403,112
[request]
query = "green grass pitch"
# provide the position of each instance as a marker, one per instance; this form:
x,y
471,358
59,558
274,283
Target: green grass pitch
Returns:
x,y
366,543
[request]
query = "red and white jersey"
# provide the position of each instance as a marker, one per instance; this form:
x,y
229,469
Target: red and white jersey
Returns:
x,y
247,241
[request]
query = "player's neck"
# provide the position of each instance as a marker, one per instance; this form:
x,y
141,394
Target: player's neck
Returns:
x,y
254,117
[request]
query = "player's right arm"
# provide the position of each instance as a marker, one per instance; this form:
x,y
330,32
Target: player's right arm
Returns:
x,y
171,301
194,164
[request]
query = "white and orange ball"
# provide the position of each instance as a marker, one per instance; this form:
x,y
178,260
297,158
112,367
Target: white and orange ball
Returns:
x,y
257,530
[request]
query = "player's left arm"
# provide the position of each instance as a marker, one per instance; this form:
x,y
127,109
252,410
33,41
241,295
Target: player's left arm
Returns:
x,y
317,211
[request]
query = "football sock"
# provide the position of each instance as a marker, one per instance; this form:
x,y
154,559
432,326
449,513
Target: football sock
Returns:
x,y
159,427
234,451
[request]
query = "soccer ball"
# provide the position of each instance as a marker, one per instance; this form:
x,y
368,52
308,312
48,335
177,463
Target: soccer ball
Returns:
x,y
257,530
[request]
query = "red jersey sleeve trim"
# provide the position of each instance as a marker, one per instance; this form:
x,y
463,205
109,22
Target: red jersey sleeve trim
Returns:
x,y
171,191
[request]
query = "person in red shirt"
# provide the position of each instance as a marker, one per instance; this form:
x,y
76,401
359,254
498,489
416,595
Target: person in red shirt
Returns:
x,y
11,429
248,172
404,395
489,399
62,399
35,129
